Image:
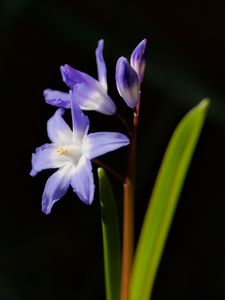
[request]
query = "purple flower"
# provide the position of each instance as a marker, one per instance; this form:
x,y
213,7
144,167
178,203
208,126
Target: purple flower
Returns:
x,y
71,152
130,76
89,93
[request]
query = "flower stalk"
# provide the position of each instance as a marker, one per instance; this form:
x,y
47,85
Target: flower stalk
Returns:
x,y
128,211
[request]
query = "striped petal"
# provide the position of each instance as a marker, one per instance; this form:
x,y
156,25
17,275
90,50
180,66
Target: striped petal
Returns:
x,y
138,59
72,77
82,181
59,131
127,82
80,122
56,187
99,143
93,98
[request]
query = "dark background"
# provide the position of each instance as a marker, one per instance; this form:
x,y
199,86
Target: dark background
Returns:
x,y
60,256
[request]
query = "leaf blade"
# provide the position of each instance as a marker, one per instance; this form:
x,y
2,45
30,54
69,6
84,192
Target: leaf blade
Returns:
x,y
111,237
163,201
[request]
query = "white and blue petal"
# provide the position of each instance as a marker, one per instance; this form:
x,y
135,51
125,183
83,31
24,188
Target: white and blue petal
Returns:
x,y
101,65
57,98
99,143
58,130
80,122
72,77
89,98
46,157
127,82
89,93
56,187
138,59
82,181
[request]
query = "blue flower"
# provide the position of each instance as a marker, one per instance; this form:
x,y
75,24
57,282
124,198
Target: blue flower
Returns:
x,y
89,93
71,152
130,76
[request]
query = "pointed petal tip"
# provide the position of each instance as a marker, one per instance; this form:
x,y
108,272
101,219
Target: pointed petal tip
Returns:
x,y
65,69
99,52
69,75
100,143
122,59
121,65
33,173
62,68
101,66
45,207
46,211
99,48
144,42
126,140
138,58
55,188
60,111
58,130
142,45
101,42
87,200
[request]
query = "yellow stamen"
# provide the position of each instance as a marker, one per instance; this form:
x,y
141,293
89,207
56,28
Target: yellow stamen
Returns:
x,y
61,150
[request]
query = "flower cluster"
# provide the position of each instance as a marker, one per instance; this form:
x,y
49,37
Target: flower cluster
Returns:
x,y
71,151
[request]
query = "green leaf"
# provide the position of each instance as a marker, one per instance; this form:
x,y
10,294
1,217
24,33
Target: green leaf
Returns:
x,y
163,201
111,237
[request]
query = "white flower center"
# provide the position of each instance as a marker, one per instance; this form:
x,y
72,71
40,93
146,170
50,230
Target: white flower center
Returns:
x,y
72,152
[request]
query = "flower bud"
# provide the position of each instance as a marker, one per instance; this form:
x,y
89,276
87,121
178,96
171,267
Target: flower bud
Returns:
x,y
127,82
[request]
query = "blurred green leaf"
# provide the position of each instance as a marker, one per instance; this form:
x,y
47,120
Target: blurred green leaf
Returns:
x,y
163,201
111,237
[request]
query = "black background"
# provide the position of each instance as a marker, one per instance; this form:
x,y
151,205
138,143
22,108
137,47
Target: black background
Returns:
x,y
60,256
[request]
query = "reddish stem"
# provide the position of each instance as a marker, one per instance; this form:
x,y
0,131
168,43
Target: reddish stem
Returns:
x,y
128,212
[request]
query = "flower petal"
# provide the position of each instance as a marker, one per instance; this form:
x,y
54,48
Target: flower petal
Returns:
x,y
89,98
80,122
57,98
72,77
101,65
99,143
127,82
82,181
59,131
138,59
56,187
89,93
46,157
